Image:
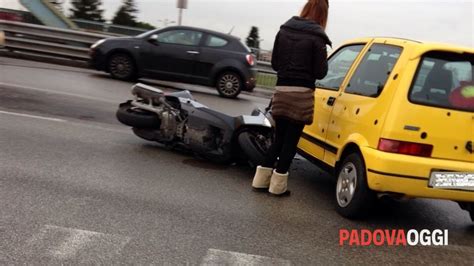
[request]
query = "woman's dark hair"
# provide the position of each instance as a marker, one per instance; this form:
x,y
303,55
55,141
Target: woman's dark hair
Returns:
x,y
317,11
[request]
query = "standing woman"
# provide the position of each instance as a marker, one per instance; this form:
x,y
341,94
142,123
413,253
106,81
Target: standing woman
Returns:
x,y
299,57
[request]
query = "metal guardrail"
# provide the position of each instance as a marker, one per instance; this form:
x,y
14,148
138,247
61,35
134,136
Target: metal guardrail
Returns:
x,y
70,44
73,44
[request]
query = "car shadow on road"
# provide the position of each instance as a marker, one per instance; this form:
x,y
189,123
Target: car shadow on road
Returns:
x,y
387,212
186,157
316,187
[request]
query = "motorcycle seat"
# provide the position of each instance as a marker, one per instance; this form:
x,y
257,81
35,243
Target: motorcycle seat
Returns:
x,y
181,94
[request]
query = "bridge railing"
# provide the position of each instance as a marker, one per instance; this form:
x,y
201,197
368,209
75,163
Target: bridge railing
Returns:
x,y
74,44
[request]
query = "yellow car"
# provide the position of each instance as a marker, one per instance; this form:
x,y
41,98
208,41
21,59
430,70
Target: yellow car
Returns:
x,y
395,117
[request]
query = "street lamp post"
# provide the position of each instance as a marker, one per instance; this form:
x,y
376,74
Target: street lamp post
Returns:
x,y
181,4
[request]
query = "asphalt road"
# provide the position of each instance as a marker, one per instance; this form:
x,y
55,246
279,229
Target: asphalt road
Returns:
x,y
78,187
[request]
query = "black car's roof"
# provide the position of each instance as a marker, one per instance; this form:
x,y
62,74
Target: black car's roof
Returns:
x,y
216,33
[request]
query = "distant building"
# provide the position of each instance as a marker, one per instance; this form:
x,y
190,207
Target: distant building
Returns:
x,y
18,16
265,56
12,4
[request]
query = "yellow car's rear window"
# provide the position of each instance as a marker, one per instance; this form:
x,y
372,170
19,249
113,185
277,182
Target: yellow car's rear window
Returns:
x,y
445,80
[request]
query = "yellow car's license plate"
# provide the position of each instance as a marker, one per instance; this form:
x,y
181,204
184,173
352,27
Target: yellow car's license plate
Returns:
x,y
452,180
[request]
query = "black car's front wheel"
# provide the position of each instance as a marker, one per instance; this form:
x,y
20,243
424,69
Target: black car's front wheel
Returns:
x,y
121,66
229,84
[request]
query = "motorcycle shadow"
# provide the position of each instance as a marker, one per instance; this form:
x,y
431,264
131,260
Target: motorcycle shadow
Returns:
x,y
192,159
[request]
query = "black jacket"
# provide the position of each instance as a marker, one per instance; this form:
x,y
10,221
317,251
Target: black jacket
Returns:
x,y
299,53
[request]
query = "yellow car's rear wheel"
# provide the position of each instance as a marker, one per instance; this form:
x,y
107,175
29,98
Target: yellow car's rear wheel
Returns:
x,y
354,199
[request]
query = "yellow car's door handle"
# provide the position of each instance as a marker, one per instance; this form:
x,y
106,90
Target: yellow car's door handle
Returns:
x,y
331,101
469,147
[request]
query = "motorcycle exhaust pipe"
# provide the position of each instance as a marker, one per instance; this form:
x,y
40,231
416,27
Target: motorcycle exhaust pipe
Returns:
x,y
146,92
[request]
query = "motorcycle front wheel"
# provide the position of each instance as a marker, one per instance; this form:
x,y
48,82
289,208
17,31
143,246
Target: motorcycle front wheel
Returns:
x,y
255,146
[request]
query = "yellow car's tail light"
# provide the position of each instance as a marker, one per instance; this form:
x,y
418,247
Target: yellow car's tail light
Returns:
x,y
403,147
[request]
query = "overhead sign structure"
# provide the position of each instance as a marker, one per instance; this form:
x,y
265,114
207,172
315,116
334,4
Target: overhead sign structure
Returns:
x,y
45,12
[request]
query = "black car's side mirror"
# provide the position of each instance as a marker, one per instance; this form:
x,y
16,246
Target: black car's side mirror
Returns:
x,y
153,39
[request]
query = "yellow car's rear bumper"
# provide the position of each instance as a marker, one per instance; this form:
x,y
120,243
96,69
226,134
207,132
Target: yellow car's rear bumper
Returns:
x,y
409,175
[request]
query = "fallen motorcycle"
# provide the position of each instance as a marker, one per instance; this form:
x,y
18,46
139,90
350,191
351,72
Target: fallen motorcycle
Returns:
x,y
178,121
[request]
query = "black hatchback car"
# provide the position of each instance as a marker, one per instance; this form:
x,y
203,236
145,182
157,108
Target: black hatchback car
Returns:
x,y
179,53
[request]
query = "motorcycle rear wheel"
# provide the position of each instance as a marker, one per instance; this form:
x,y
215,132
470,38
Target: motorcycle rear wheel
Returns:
x,y
137,118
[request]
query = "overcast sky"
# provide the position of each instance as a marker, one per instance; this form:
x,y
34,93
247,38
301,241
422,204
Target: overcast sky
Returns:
x,y
449,21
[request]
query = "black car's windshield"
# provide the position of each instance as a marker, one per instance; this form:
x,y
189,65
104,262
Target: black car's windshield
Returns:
x,y
148,33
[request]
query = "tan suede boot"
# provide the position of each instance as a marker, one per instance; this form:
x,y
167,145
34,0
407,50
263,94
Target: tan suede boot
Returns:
x,y
261,180
278,184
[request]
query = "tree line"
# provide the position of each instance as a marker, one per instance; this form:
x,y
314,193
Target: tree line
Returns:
x,y
126,16
90,10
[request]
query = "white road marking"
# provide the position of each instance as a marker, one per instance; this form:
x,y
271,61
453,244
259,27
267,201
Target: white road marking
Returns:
x,y
116,129
57,92
72,243
62,243
33,116
221,257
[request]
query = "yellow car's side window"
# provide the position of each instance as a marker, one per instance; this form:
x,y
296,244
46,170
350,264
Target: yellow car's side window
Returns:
x,y
338,66
372,73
